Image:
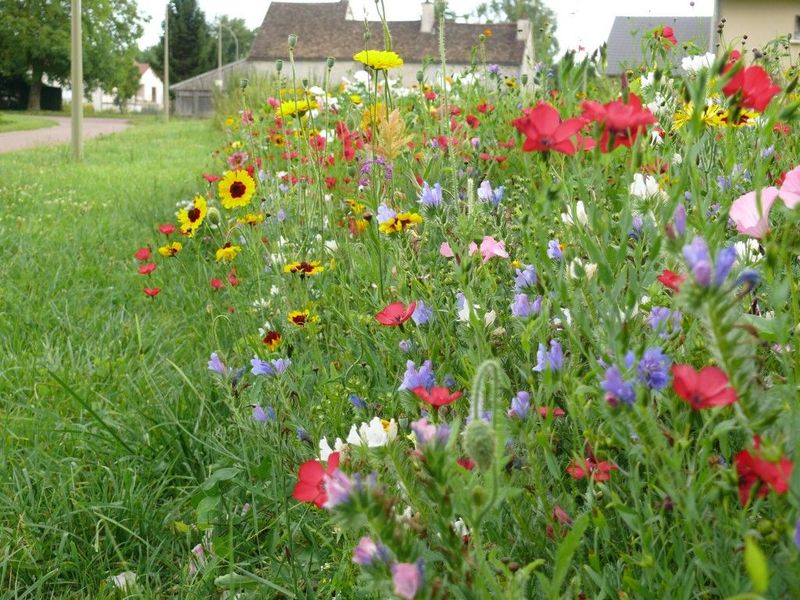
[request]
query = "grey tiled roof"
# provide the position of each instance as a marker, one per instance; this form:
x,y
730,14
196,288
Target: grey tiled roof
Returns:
x,y
624,41
323,30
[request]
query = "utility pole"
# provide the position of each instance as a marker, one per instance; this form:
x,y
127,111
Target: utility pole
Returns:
x,y
219,53
77,81
166,65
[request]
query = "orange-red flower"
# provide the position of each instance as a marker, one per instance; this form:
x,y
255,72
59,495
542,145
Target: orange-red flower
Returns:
x,y
707,388
754,469
311,478
437,396
395,314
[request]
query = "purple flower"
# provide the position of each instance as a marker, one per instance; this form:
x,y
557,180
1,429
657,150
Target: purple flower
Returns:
x,y
365,552
749,278
523,307
356,401
281,215
520,405
407,579
385,213
405,346
554,250
617,388
215,364
487,194
679,217
653,369
274,367
493,68
699,260
724,263
525,278
661,317
551,360
422,313
338,487
424,432
263,416
431,196
418,378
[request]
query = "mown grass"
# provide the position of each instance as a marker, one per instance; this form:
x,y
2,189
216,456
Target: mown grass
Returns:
x,y
93,449
10,121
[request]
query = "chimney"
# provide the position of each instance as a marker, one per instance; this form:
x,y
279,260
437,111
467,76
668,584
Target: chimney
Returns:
x,y
523,30
426,24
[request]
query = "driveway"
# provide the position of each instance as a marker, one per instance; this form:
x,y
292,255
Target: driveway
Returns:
x,y
60,134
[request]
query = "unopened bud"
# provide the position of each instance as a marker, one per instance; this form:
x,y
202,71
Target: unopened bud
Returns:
x,y
330,62
479,443
279,65
292,41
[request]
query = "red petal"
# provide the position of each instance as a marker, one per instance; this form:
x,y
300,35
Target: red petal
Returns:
x,y
684,381
311,472
305,492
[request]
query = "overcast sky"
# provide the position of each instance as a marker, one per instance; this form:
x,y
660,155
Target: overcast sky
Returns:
x,y
580,22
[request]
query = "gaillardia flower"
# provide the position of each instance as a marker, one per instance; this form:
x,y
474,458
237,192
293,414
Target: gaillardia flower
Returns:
x,y
170,249
380,60
228,252
301,317
400,222
236,189
304,268
190,219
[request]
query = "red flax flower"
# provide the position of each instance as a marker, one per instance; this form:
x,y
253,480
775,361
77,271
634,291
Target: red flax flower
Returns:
x,y
666,34
621,122
438,396
544,130
142,254
311,477
167,229
754,469
671,279
597,471
152,292
755,87
147,269
395,314
708,388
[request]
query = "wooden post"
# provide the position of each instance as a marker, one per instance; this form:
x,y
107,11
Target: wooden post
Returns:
x,y
77,81
166,65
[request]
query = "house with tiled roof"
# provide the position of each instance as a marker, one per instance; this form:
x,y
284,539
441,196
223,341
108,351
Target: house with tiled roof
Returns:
x,y
624,50
759,23
149,97
329,29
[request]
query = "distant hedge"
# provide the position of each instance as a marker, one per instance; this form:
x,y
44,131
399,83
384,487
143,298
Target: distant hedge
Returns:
x,y
14,93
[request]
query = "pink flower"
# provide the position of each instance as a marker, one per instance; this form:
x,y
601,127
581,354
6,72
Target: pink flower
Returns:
x,y
407,577
744,212
490,248
790,189
446,251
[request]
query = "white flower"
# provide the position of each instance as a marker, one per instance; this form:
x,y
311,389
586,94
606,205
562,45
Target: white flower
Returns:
x,y
460,528
261,303
315,90
648,80
589,269
677,159
125,580
373,434
645,186
579,215
325,449
489,318
361,76
692,64
567,318
331,245
655,137
748,251
274,290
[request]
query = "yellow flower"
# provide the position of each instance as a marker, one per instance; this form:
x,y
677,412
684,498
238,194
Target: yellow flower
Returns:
x,y
251,219
296,107
380,60
304,268
301,317
373,112
228,252
355,99
272,339
400,223
711,116
355,207
229,121
190,219
510,82
170,249
236,188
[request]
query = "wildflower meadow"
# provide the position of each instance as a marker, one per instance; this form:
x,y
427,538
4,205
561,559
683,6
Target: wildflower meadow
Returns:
x,y
469,336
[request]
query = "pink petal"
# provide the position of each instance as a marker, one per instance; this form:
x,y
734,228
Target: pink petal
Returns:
x,y
445,250
744,212
790,190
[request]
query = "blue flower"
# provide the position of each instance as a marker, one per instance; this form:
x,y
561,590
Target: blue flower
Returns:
x,y
422,314
616,387
422,377
385,213
525,278
263,416
405,346
653,369
699,260
523,307
356,401
431,196
551,360
679,217
724,263
487,194
520,405
215,364
554,250
270,368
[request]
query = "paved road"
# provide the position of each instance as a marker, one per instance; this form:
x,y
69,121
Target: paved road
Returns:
x,y
60,134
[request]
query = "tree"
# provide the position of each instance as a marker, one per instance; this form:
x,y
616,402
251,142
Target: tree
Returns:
x,y
124,84
192,49
542,18
244,35
35,40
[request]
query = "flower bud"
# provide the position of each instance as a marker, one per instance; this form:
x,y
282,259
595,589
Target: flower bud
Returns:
x,y
213,215
279,65
330,62
479,443
524,79
420,76
292,41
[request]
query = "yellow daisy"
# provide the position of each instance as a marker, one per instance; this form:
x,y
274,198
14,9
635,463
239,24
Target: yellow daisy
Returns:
x,y
190,219
380,60
252,219
236,188
228,252
296,107
170,249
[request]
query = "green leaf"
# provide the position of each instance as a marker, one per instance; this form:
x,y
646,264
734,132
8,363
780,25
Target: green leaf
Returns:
x,y
224,474
566,550
756,565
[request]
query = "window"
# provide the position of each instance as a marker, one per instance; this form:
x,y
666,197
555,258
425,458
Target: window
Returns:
x,y
796,36
153,94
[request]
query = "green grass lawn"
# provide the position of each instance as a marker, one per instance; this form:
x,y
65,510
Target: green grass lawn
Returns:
x,y
11,121
89,469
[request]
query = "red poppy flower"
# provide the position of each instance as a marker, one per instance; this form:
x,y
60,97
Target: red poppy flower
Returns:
x,y
147,269
671,279
666,35
152,292
167,229
216,283
597,471
142,254
473,121
707,389
544,130
311,477
621,122
395,314
755,87
466,463
545,410
484,108
211,178
438,396
232,279
754,469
